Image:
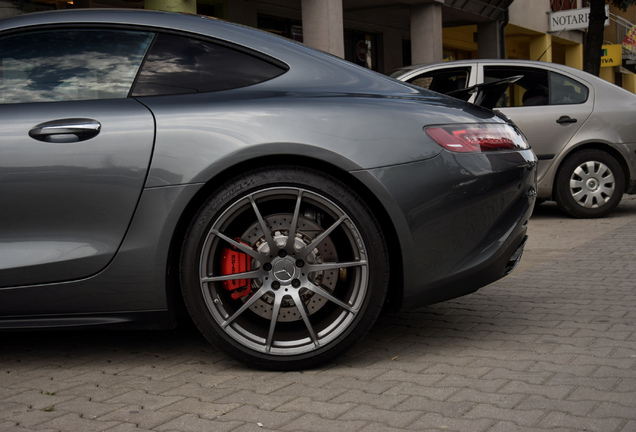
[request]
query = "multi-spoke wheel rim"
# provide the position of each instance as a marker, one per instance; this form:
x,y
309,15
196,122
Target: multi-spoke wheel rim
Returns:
x,y
308,273
592,184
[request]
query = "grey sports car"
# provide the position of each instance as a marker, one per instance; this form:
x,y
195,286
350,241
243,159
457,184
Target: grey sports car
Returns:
x,y
150,160
580,126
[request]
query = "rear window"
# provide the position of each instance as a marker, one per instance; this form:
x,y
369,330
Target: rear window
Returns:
x,y
537,87
444,80
181,65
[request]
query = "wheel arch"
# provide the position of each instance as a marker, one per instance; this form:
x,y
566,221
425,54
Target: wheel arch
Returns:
x,y
595,145
173,285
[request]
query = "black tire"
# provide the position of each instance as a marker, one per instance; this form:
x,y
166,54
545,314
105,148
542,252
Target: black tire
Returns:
x,y
589,184
326,287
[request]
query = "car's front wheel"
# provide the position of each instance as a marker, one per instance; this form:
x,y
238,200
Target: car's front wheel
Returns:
x,y
284,268
589,184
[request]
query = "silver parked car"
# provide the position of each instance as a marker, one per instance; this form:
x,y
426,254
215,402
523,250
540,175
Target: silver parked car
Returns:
x,y
582,128
283,195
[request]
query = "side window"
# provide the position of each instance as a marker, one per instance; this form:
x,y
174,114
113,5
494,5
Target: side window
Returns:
x,y
531,90
69,65
180,65
444,80
564,90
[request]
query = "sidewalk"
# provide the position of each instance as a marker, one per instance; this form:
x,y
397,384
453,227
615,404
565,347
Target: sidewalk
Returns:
x,y
550,347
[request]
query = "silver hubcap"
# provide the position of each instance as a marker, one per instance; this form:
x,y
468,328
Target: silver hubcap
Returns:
x,y
592,184
308,272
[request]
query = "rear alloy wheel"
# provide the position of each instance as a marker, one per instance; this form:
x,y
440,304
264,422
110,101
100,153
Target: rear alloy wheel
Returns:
x,y
284,268
589,184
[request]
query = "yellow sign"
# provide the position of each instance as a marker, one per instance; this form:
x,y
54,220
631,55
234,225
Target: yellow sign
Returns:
x,y
612,55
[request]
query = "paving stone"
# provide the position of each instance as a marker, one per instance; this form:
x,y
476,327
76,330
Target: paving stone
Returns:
x,y
436,422
384,401
37,399
432,393
323,409
202,409
11,427
446,408
623,410
371,387
314,423
390,418
476,397
204,394
73,422
506,426
521,417
602,384
146,400
556,419
194,423
537,402
31,418
87,409
145,419
251,427
419,379
127,427
272,419
550,391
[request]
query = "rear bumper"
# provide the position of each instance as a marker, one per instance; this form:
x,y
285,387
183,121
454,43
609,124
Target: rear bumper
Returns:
x,y
461,220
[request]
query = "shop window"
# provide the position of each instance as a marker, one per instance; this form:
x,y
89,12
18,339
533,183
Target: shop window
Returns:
x,y
361,48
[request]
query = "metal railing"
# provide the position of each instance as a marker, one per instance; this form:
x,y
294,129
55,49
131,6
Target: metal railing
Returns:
x,y
625,34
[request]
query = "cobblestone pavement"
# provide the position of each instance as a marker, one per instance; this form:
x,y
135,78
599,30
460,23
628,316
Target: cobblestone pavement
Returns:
x,y
550,347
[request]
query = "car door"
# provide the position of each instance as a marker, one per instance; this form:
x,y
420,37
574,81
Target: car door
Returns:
x,y
74,152
549,107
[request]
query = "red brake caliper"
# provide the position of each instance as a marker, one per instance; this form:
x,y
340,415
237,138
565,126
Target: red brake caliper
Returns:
x,y
233,262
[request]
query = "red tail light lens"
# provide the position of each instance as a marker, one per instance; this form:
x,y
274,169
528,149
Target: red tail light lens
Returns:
x,y
467,138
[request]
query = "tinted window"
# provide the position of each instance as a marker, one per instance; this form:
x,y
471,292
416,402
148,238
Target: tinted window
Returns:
x,y
564,90
177,65
537,87
66,65
444,80
531,90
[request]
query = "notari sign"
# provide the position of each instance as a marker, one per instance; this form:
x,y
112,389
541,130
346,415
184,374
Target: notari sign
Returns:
x,y
573,19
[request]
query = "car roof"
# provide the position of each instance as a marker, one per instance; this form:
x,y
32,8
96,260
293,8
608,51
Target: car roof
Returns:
x,y
190,23
309,69
500,62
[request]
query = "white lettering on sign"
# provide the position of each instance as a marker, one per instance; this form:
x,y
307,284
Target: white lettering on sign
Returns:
x,y
573,19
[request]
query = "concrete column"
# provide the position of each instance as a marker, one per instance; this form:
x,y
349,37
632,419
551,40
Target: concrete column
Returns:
x,y
574,56
607,73
629,82
426,33
392,50
188,6
541,48
323,26
489,40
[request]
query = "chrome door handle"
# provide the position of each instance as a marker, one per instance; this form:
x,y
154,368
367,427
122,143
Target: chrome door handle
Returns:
x,y
66,130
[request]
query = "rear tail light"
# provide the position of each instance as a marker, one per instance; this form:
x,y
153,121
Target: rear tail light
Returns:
x,y
467,138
